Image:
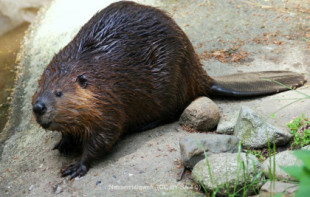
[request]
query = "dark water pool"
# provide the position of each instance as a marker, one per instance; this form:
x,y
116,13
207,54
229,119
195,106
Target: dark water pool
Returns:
x,y
9,47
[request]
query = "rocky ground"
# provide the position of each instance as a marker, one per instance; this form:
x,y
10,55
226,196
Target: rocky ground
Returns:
x,y
229,36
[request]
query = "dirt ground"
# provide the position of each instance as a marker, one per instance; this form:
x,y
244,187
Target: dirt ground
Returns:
x,y
229,36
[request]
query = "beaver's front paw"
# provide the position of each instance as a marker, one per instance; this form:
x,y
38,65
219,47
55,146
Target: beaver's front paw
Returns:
x,y
74,170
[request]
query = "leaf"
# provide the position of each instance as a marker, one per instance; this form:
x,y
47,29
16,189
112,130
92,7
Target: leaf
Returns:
x,y
305,175
294,171
304,156
304,189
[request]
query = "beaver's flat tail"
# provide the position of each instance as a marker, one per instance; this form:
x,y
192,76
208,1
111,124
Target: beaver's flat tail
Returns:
x,y
256,83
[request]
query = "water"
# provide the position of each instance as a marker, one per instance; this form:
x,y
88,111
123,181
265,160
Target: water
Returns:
x,y
9,47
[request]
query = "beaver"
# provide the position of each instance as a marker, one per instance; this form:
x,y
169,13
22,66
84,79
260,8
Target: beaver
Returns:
x,y
130,68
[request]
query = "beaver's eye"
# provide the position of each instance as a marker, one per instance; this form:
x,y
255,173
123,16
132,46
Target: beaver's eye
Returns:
x,y
58,93
81,79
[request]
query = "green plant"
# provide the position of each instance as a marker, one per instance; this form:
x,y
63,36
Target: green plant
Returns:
x,y
209,171
256,153
301,173
300,129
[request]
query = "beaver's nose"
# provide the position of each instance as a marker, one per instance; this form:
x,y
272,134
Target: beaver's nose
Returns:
x,y
39,108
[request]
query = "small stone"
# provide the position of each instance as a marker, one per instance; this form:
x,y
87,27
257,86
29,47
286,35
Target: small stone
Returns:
x,y
292,14
58,190
276,187
193,146
31,187
78,178
201,115
254,131
98,182
285,158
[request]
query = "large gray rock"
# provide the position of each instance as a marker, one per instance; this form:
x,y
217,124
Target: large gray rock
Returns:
x,y
285,158
276,187
226,172
201,115
193,146
14,13
227,123
255,131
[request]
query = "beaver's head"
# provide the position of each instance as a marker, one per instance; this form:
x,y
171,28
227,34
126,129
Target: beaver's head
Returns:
x,y
64,99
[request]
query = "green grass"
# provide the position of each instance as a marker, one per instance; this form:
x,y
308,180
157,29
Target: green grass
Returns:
x,y
300,129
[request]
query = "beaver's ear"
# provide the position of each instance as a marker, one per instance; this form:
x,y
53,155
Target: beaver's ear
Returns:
x,y
82,80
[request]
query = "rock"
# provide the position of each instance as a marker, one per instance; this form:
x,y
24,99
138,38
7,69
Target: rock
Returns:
x,y
58,190
285,158
227,124
192,147
14,13
201,115
276,187
226,172
306,147
31,187
254,131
